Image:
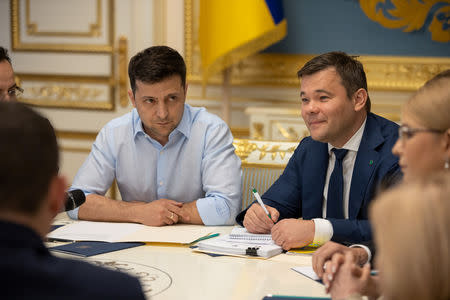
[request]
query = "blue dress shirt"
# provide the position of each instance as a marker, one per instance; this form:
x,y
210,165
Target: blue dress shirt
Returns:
x,y
197,163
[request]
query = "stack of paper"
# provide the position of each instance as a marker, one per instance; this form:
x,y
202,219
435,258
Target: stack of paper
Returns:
x,y
129,232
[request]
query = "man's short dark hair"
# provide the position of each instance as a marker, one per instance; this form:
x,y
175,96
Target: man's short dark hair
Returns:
x,y
28,158
155,64
4,55
349,69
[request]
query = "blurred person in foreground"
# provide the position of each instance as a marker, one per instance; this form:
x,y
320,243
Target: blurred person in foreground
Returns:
x,y
412,231
31,194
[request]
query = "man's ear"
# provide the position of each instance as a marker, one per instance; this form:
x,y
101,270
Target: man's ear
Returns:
x,y
57,194
446,142
131,96
360,99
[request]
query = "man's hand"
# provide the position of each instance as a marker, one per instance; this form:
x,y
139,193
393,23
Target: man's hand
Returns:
x,y
350,279
293,233
189,214
158,213
257,221
324,254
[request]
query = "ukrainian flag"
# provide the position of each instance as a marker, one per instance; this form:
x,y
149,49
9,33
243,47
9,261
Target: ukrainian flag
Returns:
x,y
231,30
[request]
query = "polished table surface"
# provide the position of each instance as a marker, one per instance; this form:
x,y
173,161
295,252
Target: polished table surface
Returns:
x,y
175,272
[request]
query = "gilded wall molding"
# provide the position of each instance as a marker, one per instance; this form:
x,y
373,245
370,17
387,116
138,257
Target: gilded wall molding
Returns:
x,y
94,28
19,45
66,91
391,73
269,153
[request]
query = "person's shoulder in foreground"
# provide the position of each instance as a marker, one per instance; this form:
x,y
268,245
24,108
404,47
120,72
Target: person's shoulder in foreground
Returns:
x,y
34,273
32,192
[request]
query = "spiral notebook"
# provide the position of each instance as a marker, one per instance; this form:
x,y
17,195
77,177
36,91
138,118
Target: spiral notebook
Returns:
x,y
240,234
225,245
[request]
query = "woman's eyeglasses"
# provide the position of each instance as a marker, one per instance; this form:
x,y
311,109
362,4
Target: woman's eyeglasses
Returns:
x,y
405,132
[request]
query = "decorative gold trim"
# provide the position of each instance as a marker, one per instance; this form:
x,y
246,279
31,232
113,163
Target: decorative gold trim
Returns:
x,y
76,135
123,71
240,132
18,45
106,105
94,29
383,72
160,22
75,149
263,165
244,147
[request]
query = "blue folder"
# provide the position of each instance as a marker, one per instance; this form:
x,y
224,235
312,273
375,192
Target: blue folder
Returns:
x,y
86,249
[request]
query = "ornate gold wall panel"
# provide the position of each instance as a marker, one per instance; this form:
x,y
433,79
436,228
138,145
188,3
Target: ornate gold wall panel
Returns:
x,y
395,73
55,40
94,28
64,91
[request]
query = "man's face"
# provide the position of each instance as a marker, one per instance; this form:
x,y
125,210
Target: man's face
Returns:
x,y
328,113
160,106
7,83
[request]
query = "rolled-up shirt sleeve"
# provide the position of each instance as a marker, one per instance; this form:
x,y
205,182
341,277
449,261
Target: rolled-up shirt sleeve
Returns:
x,y
221,178
97,172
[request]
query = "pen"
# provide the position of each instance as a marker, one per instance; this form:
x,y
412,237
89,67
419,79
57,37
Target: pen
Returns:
x,y
258,198
205,237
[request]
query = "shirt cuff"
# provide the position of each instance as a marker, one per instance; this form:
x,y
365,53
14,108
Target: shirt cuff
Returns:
x,y
369,254
323,232
73,214
214,211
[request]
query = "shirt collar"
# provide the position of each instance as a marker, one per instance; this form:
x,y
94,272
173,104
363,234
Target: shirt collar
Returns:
x,y
353,143
183,127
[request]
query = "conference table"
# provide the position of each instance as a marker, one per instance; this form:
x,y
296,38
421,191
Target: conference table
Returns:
x,y
179,272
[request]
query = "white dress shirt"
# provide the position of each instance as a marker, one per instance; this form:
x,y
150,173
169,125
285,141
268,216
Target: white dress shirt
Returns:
x,y
323,227
197,163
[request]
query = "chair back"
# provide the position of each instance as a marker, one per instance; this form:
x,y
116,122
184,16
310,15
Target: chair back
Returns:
x,y
262,163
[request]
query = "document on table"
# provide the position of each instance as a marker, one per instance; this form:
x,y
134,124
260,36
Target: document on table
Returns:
x,y
307,271
129,232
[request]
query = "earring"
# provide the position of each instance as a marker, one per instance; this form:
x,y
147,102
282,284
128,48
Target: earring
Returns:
x,y
447,164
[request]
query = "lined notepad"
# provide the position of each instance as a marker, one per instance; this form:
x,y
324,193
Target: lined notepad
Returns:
x,y
240,234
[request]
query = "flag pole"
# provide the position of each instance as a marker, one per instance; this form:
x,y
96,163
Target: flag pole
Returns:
x,y
226,96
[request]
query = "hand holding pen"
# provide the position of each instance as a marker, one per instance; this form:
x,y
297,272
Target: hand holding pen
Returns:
x,y
258,198
260,218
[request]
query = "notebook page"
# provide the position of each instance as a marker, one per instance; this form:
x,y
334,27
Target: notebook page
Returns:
x,y
240,234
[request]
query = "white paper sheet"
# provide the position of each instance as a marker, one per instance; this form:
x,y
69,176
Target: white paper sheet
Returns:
x,y
129,232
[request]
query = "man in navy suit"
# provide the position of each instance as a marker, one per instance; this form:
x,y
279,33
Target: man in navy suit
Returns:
x,y
333,174
31,194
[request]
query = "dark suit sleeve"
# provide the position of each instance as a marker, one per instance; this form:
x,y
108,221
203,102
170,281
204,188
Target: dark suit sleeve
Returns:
x,y
284,194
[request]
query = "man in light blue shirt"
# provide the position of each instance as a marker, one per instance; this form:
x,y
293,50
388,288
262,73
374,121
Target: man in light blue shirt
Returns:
x,y
173,163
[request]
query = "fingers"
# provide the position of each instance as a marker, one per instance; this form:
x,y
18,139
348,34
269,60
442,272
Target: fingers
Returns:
x,y
256,220
273,213
365,275
170,218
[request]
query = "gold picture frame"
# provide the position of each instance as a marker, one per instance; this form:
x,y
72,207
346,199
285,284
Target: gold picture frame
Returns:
x,y
391,73
94,31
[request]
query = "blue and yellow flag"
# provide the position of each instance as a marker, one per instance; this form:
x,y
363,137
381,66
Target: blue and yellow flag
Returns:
x,y
231,30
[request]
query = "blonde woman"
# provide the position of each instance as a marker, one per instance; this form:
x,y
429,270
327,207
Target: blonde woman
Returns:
x,y
423,146
412,228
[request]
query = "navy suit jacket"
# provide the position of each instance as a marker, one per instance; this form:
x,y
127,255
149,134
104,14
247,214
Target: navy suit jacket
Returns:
x,y
30,271
298,192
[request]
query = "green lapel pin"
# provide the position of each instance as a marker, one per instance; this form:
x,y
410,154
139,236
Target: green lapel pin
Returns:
x,y
370,162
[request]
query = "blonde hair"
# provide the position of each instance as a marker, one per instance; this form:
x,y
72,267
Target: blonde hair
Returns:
x,y
412,231
430,105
